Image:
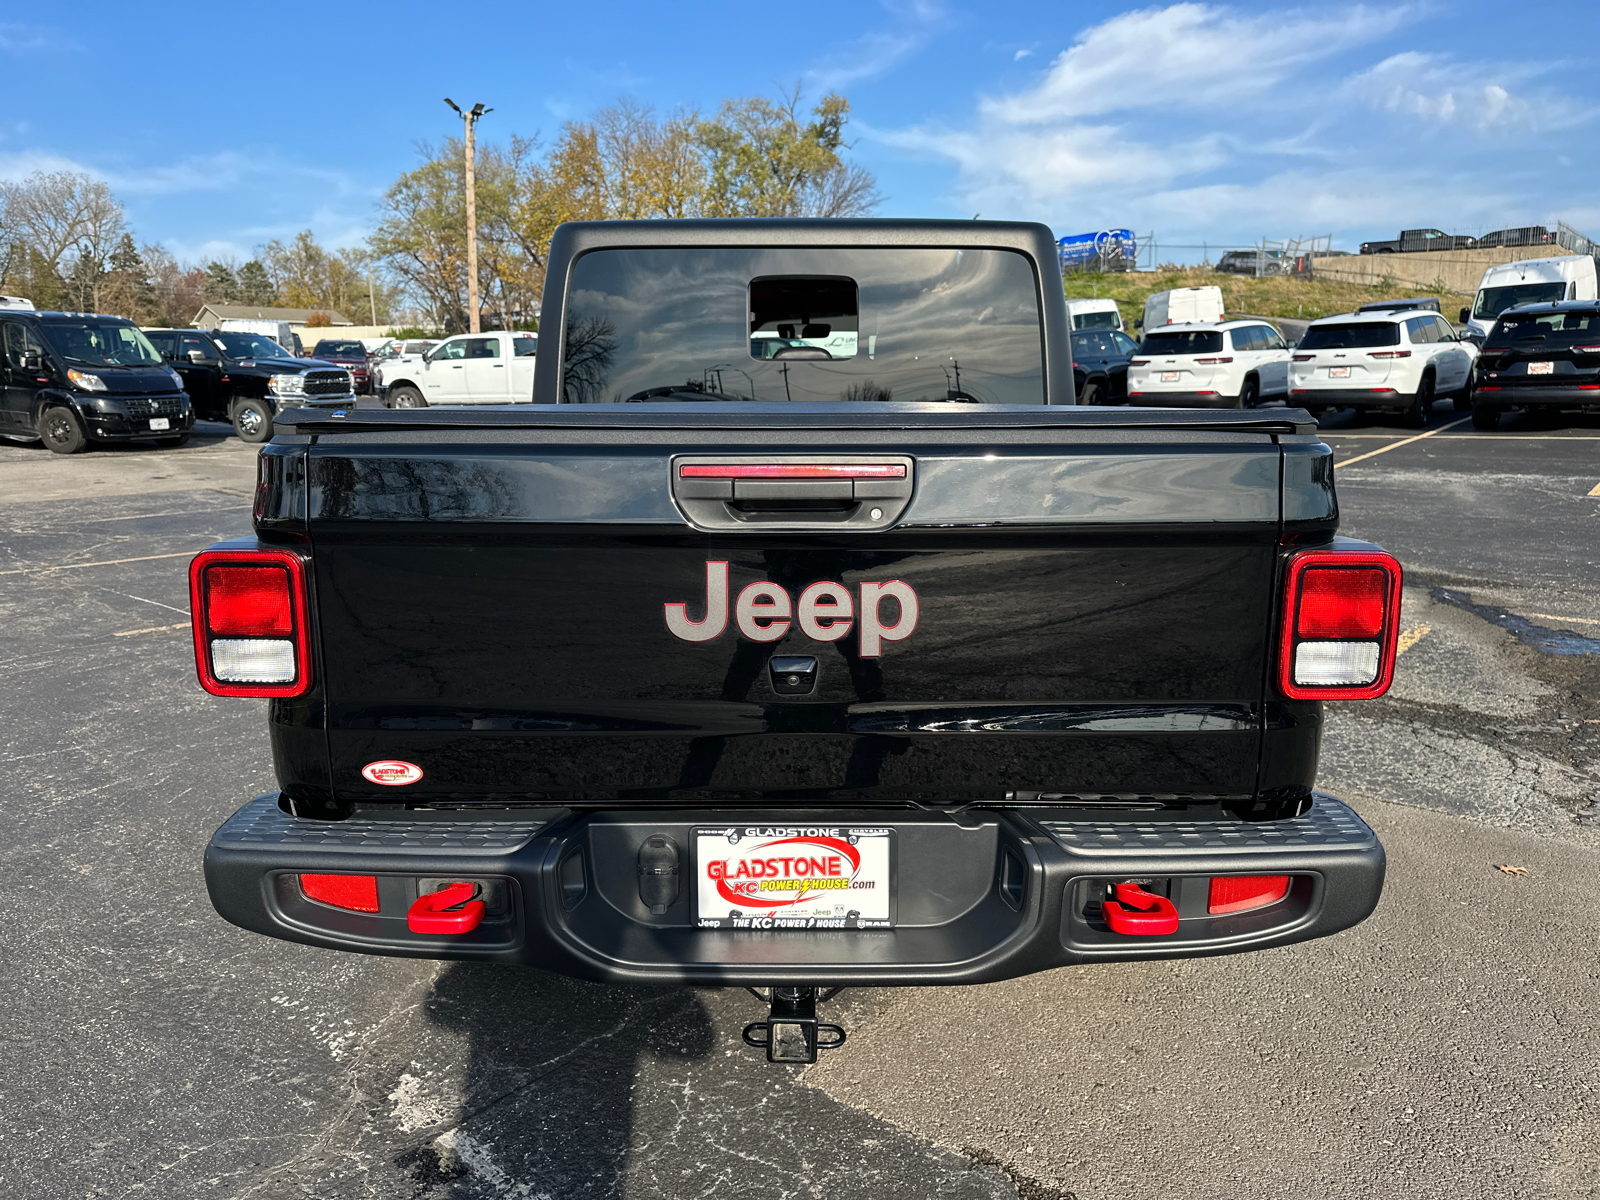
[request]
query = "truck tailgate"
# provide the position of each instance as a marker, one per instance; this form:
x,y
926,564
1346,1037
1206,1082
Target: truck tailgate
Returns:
x,y
1093,604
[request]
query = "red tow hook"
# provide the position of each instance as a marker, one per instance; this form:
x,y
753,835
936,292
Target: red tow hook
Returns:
x,y
428,914
1155,914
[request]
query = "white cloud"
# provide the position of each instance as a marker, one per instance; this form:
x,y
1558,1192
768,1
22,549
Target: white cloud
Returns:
x,y
16,38
1438,91
915,23
1020,55
1188,55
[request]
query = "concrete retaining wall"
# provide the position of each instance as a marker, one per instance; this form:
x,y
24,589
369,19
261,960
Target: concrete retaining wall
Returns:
x,y
1429,272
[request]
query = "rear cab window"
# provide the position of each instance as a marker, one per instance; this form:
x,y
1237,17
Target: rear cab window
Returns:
x,y
803,324
1354,335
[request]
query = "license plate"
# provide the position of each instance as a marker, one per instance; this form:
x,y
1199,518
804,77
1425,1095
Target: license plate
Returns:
x,y
1338,372
776,877
1539,368
160,423
1169,377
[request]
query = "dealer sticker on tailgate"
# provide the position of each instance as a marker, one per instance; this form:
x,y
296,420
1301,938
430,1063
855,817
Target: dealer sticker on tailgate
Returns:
x,y
793,877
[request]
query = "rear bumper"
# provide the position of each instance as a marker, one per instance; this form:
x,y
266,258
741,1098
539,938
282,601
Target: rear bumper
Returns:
x,y
1347,398
989,894
1536,397
1153,399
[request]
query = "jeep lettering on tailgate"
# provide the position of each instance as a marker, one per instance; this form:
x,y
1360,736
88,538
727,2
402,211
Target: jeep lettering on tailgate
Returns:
x,y
825,611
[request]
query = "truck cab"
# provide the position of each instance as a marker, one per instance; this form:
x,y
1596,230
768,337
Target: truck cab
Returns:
x,y
470,368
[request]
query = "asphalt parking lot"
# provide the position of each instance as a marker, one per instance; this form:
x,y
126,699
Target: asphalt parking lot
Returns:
x,y
1447,1047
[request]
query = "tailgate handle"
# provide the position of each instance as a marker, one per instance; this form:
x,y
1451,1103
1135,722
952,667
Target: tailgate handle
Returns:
x,y
799,493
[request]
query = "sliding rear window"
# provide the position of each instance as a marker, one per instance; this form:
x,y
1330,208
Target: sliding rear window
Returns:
x,y
1551,329
916,325
1354,336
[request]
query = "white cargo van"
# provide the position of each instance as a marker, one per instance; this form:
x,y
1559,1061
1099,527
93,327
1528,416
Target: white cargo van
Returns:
x,y
279,331
1183,306
16,303
1531,281
1094,314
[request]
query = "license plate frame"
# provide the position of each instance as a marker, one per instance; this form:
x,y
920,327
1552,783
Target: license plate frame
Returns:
x,y
160,424
1338,372
858,896
1541,368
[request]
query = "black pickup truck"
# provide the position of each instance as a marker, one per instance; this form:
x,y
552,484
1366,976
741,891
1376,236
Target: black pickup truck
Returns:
x,y
245,378
846,669
1420,241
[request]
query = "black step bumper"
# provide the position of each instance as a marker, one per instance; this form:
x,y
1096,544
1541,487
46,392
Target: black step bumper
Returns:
x,y
983,895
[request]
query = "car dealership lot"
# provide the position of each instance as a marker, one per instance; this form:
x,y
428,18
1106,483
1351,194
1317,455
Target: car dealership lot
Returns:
x,y
1446,1046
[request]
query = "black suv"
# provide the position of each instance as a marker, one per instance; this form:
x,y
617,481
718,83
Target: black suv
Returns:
x,y
1539,356
72,378
245,378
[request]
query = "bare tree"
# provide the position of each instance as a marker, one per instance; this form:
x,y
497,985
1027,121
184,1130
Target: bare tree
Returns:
x,y
61,211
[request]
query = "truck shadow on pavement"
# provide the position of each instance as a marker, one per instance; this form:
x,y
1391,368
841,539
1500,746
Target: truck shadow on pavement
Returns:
x,y
549,1080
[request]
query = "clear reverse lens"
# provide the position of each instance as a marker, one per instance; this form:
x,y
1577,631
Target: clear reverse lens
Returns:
x,y
1331,664
254,660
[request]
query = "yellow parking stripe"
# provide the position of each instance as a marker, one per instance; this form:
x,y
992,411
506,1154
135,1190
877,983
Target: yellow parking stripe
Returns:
x,y
110,562
1385,449
1595,490
1410,637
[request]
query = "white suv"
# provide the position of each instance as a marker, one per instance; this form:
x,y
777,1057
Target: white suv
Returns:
x,y
1401,361
1231,364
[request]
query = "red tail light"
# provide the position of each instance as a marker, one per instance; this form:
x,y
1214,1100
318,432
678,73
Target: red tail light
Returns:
x,y
1241,893
1209,361
1389,354
357,893
1138,362
1586,349
249,614
1341,615
1303,357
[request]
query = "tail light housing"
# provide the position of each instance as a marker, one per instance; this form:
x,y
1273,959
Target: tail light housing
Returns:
x,y
1303,357
1341,614
1389,354
248,609
1210,361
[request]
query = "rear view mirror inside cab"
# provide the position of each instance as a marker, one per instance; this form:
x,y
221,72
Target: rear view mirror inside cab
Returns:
x,y
803,317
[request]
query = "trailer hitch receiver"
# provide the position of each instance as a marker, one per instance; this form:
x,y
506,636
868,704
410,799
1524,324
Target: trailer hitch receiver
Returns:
x,y
791,1032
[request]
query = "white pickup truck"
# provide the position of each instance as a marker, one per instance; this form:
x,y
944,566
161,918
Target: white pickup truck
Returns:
x,y
470,368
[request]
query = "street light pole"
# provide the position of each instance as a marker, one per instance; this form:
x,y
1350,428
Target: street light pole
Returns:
x,y
470,119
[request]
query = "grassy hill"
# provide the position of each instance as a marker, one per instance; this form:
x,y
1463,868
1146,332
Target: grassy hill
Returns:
x,y
1272,296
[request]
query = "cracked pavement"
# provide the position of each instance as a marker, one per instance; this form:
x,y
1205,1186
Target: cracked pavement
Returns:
x,y
1446,1047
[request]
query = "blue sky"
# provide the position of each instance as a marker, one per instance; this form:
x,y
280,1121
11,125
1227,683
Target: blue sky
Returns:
x,y
222,126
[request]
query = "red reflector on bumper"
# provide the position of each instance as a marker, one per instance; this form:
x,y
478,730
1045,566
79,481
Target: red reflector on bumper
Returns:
x,y
1240,893
357,893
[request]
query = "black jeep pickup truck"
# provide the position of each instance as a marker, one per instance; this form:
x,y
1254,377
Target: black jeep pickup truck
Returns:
x,y
875,661
245,378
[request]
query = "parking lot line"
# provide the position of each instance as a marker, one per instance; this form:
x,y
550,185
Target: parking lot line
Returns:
x,y
1395,446
1559,617
153,629
1411,637
109,562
